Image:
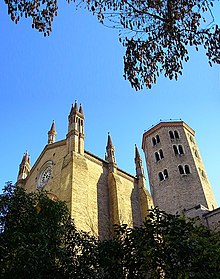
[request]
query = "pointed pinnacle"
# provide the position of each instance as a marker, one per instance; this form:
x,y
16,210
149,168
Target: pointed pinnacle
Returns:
x,y
137,154
74,109
80,109
109,142
53,129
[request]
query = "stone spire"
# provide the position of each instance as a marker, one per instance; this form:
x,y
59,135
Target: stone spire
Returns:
x,y
75,136
138,163
110,153
81,110
74,109
24,167
52,134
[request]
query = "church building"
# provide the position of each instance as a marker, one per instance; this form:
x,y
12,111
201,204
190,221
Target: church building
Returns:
x,y
99,194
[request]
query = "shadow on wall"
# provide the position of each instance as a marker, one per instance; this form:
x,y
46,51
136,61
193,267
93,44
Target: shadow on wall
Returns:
x,y
135,207
104,226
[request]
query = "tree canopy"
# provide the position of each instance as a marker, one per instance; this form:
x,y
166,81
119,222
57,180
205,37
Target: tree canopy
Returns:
x,y
39,240
155,33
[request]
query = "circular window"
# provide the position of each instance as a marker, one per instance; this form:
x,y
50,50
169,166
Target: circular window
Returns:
x,y
45,174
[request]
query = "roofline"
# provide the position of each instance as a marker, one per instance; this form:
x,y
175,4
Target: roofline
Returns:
x,y
47,147
170,123
106,162
63,142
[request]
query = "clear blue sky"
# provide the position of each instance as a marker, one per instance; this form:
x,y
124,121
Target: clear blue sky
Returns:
x,y
82,60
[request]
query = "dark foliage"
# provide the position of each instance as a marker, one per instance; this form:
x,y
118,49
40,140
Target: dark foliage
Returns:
x,y
39,240
166,246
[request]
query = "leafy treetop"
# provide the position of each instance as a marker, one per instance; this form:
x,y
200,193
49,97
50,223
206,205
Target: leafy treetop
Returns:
x,y
39,240
155,33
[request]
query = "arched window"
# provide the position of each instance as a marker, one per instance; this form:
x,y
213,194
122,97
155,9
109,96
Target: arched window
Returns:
x,y
176,134
181,152
175,150
191,139
161,178
181,170
165,172
184,170
161,154
163,175
196,154
187,169
157,138
157,157
203,174
171,135
154,141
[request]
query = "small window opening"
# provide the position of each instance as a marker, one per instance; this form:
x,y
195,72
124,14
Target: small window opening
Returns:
x,y
181,150
187,169
203,174
154,141
165,172
175,150
196,154
184,170
181,170
161,176
176,134
171,135
157,138
157,157
161,154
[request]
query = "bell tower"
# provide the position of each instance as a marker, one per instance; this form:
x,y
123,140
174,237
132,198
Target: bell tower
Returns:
x,y
75,136
177,176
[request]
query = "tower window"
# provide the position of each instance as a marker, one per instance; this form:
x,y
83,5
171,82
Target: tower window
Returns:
x,y
178,149
171,135
163,175
155,140
203,174
176,134
159,155
196,154
165,172
181,170
184,170
187,169
175,149
191,139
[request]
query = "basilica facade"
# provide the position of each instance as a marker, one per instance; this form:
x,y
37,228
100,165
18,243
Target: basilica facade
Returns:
x,y
99,194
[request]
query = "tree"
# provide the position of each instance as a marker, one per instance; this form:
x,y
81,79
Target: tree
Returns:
x,y
156,33
39,240
166,246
